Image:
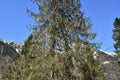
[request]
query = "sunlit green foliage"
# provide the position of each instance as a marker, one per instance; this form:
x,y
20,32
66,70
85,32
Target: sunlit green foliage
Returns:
x,y
60,46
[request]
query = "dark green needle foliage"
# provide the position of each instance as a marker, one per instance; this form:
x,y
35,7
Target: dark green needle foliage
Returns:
x,y
116,35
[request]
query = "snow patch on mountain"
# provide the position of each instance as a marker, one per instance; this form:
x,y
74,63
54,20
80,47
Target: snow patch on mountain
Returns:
x,y
109,53
16,45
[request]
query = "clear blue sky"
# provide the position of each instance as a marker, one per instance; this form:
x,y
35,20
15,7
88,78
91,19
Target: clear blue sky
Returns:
x,y
14,19
102,14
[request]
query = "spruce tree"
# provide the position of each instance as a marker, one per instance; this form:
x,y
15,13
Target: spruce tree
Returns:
x,y
116,35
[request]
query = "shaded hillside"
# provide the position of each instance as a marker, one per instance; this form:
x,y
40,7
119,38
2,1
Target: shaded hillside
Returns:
x,y
6,49
109,66
16,45
10,47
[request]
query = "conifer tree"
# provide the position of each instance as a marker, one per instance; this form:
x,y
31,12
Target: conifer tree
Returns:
x,y
62,49
60,22
116,38
28,46
63,37
116,35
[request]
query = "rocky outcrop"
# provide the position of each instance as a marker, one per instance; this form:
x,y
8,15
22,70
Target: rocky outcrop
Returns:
x,y
6,49
16,45
9,47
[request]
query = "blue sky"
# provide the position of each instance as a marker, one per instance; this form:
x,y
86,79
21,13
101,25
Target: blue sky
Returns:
x,y
14,19
102,14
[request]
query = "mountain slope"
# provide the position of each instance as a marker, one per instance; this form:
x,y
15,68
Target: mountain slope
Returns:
x,y
110,65
9,47
109,62
6,49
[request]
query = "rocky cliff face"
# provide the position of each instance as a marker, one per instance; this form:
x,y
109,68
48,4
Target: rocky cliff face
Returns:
x,y
6,49
16,45
9,47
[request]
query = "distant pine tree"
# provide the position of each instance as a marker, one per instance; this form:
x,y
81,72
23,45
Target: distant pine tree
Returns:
x,y
116,33
116,36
